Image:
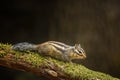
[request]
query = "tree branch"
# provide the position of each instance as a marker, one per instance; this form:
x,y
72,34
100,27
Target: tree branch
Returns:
x,y
46,66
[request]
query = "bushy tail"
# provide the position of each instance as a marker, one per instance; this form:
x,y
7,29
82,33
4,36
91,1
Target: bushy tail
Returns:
x,y
24,46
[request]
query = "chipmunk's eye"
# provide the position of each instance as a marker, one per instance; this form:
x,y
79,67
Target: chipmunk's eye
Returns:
x,y
80,51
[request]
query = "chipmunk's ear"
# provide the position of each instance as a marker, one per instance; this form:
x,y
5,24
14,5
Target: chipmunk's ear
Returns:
x,y
77,46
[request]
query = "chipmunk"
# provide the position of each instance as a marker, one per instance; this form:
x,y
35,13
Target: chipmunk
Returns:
x,y
53,49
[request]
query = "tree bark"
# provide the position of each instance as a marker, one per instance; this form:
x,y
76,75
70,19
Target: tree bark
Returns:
x,y
46,66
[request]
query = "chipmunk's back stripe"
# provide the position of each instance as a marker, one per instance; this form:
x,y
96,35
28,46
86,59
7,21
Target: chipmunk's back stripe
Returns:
x,y
60,44
58,47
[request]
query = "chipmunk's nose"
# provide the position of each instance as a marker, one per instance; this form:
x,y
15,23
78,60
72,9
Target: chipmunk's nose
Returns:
x,y
84,55
82,52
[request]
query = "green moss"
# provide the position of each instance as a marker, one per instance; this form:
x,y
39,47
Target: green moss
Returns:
x,y
79,71
74,70
34,58
4,48
84,73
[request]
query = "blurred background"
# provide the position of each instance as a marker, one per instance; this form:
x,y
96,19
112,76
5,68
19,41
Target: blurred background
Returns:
x,y
95,24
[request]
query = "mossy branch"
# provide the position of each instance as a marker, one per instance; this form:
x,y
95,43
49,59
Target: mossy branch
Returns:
x,y
46,66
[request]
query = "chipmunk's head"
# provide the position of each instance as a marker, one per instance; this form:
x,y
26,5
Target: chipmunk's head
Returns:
x,y
79,51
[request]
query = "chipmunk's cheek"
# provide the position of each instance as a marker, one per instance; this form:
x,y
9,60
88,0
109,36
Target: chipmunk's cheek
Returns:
x,y
82,56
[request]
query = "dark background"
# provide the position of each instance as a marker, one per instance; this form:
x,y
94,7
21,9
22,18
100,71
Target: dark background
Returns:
x,y
95,24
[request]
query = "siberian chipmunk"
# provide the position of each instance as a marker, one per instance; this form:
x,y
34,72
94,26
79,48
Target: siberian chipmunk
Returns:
x,y
54,49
